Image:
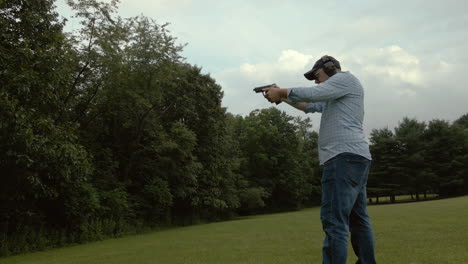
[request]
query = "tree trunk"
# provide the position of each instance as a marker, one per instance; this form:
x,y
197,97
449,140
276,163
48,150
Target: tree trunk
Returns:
x,y
3,236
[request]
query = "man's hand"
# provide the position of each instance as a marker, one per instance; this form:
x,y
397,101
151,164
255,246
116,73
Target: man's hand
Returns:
x,y
275,94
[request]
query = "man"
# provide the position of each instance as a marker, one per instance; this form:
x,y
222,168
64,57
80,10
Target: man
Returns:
x,y
344,154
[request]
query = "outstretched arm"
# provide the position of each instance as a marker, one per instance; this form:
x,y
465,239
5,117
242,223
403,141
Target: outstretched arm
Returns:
x,y
306,107
276,94
299,106
333,88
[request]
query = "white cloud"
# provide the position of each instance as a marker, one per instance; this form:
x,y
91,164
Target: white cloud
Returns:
x,y
286,71
293,61
370,25
394,62
286,68
410,62
158,6
446,67
396,82
406,92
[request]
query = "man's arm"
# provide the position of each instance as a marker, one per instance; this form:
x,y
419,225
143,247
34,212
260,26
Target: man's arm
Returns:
x,y
298,106
306,107
333,88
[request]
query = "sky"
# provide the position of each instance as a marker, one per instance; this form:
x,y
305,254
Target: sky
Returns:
x,y
409,55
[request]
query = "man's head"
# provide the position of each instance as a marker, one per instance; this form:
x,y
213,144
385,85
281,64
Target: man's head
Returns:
x,y
323,69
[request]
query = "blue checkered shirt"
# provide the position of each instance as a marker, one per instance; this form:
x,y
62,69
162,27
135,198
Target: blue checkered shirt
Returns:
x,y
340,99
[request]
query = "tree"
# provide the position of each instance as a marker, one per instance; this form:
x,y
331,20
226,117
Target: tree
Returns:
x,y
385,179
45,169
462,121
445,153
277,160
411,162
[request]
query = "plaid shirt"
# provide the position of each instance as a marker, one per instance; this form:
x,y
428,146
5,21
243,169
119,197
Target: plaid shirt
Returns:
x,y
340,99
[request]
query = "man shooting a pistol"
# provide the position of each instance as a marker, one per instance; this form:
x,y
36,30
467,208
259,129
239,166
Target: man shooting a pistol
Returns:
x,y
344,154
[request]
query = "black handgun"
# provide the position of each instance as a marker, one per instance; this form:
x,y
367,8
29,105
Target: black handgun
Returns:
x,y
260,90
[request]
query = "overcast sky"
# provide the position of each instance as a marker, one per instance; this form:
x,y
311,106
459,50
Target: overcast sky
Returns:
x,y
409,55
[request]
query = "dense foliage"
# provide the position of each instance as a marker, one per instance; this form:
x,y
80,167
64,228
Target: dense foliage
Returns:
x,y
418,158
108,131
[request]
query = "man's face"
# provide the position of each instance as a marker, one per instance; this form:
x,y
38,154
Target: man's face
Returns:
x,y
320,76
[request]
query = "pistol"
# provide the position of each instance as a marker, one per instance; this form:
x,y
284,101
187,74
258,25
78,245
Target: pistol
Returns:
x,y
260,90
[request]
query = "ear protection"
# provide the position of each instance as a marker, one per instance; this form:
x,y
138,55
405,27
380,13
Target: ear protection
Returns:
x,y
329,66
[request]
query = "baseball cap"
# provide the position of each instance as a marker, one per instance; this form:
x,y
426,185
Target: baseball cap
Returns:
x,y
319,64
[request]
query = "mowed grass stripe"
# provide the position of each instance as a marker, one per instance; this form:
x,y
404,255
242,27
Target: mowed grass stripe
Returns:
x,y
412,233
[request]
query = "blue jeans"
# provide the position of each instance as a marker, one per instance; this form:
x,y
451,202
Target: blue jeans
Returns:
x,y
344,209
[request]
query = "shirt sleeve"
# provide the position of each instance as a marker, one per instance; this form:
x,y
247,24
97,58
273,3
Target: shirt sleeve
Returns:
x,y
315,107
335,87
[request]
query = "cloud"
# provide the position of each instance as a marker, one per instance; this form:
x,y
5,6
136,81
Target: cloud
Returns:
x,y
410,62
289,63
293,61
392,62
397,84
157,6
238,83
370,25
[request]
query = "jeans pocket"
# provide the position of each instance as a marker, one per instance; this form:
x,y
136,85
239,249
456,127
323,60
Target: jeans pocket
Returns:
x,y
329,171
356,171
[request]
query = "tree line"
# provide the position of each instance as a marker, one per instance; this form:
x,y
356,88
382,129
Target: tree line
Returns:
x,y
107,131
418,158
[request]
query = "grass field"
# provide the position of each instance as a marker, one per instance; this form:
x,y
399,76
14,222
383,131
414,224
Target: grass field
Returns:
x,y
431,232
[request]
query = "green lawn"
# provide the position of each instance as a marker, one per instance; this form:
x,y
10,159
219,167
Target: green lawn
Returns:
x,y
409,233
